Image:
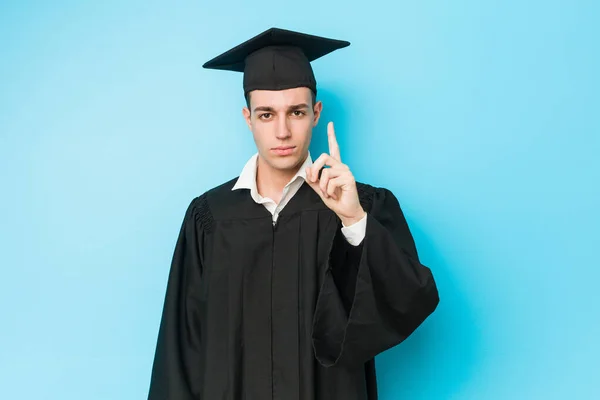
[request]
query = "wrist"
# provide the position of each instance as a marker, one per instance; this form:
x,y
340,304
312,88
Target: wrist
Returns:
x,y
348,221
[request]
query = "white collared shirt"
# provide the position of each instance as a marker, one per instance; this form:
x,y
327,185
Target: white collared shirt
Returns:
x,y
354,233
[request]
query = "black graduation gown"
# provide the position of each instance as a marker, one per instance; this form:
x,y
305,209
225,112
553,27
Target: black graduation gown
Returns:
x,y
286,312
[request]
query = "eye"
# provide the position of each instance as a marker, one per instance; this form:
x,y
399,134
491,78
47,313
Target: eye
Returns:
x,y
265,116
298,113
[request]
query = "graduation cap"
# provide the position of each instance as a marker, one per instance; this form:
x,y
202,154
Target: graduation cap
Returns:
x,y
276,59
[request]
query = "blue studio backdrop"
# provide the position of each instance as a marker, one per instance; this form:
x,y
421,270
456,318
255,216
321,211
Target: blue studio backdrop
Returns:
x,y
482,118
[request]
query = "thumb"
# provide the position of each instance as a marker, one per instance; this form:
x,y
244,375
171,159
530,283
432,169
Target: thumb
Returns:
x,y
308,178
314,185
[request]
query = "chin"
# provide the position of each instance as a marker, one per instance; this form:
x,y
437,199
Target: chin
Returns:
x,y
286,163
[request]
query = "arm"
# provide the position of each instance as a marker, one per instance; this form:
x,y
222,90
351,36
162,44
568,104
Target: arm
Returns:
x,y
175,371
375,294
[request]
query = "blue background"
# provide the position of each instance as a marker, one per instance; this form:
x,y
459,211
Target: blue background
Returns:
x,y
482,117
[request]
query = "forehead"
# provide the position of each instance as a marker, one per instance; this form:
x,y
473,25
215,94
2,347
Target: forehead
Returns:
x,y
280,98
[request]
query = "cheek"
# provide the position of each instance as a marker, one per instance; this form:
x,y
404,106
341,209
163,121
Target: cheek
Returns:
x,y
302,128
261,135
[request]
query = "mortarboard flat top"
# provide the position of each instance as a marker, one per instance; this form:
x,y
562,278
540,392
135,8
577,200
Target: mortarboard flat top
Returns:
x,y
276,59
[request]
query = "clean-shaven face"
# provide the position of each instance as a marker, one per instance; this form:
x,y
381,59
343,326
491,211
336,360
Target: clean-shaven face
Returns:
x,y
281,122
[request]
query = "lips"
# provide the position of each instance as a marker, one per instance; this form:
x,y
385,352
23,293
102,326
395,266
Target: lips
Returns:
x,y
283,150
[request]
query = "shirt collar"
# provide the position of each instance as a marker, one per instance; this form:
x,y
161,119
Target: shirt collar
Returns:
x,y
247,178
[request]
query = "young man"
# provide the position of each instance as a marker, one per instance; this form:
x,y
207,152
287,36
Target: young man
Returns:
x,y
287,281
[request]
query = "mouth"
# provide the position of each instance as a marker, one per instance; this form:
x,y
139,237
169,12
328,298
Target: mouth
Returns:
x,y
283,150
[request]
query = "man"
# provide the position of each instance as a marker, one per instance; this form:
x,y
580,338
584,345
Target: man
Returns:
x,y
287,281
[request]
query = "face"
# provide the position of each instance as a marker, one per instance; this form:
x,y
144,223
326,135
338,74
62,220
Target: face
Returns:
x,y
281,122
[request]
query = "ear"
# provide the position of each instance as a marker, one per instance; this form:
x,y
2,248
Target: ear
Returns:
x,y
246,114
317,108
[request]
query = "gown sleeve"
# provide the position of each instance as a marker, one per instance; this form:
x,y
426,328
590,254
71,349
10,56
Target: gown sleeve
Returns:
x,y
176,367
374,295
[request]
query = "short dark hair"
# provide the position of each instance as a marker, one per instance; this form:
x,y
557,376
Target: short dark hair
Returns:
x,y
313,96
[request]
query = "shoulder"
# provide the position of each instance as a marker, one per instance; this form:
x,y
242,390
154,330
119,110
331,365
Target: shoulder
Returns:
x,y
204,207
221,192
370,195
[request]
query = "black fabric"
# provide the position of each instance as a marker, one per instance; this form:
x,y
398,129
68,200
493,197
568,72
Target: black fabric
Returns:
x,y
289,312
276,59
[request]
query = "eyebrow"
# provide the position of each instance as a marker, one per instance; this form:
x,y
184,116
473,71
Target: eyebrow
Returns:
x,y
290,108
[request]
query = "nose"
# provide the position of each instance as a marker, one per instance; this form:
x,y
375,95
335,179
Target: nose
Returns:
x,y
283,129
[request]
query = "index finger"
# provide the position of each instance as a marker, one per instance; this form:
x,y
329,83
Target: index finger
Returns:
x,y
334,149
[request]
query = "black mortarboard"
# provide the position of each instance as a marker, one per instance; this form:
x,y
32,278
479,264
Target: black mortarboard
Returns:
x,y
276,59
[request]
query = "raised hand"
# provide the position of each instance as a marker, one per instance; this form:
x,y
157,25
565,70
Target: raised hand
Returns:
x,y
336,186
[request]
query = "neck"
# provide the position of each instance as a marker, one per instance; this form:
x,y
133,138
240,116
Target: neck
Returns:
x,y
270,181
